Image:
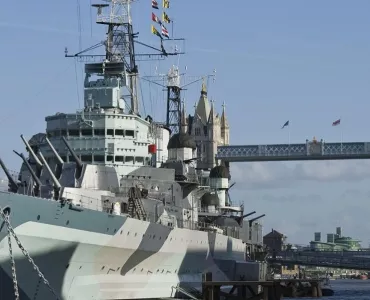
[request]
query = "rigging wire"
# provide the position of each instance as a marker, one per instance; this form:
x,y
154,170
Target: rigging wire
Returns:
x,y
142,96
91,22
77,85
79,25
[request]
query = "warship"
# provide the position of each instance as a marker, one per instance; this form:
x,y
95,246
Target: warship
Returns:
x,y
111,205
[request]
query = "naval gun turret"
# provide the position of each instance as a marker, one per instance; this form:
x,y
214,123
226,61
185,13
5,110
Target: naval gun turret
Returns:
x,y
59,164
36,180
255,219
56,185
79,164
241,218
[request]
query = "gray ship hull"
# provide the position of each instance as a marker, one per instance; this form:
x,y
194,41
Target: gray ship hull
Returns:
x,y
87,254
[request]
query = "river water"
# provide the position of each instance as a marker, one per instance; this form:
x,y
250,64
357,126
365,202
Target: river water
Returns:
x,y
349,289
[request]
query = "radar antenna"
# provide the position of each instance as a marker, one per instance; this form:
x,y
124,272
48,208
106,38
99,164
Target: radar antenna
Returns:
x,y
174,88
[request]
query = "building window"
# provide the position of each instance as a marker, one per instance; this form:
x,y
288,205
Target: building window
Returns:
x,y
197,131
205,129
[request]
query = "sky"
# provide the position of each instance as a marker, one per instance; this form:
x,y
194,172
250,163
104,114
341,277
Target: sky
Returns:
x,y
302,61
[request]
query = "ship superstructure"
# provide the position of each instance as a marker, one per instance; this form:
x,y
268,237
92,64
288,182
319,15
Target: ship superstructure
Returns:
x,y
110,205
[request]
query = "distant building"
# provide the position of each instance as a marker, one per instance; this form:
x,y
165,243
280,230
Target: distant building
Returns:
x,y
208,128
275,240
334,242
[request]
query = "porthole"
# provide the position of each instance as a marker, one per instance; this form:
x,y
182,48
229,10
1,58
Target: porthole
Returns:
x,y
67,222
38,217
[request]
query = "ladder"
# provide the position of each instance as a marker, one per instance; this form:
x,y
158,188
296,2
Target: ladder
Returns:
x,y
135,205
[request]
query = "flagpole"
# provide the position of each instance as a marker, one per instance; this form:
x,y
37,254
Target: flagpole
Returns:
x,y
172,28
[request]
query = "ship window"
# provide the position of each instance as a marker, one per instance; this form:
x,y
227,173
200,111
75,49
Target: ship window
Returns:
x,y
130,159
74,132
110,132
139,160
86,158
130,133
63,157
86,132
109,158
99,132
64,132
120,132
99,158
119,158
70,158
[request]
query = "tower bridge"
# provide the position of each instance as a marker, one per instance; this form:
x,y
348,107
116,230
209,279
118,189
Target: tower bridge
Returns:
x,y
310,150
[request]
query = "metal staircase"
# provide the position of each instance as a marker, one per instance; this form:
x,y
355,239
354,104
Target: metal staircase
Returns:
x,y
135,205
186,291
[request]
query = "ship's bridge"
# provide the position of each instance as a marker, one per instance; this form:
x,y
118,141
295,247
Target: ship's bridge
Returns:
x,y
310,150
106,137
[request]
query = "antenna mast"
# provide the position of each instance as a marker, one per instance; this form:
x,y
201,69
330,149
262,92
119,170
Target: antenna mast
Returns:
x,y
118,66
119,44
174,88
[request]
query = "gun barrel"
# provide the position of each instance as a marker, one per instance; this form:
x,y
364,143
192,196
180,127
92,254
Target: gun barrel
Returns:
x,y
74,155
256,218
33,174
13,184
249,214
55,180
54,151
31,151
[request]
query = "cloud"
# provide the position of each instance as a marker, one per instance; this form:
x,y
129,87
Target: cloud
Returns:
x,y
277,174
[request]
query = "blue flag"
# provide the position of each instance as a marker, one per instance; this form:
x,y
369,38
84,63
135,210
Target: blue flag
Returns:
x,y
285,124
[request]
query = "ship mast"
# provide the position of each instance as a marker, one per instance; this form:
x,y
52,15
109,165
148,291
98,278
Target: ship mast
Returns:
x,y
118,66
119,44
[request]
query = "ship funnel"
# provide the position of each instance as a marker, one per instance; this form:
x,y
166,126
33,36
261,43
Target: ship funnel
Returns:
x,y
255,219
13,186
29,149
33,174
75,158
57,185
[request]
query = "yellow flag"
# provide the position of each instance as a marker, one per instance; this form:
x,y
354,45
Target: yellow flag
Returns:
x,y
166,18
166,3
155,31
